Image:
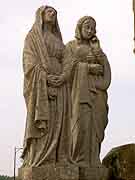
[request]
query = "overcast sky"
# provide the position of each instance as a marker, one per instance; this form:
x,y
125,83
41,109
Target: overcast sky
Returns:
x,y
115,31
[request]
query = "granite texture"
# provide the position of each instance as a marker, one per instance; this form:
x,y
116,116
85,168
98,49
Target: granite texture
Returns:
x,y
121,161
65,90
49,172
62,172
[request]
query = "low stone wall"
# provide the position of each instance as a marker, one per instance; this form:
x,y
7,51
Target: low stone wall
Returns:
x,y
121,161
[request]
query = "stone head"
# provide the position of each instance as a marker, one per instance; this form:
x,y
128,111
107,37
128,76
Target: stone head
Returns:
x,y
49,15
86,28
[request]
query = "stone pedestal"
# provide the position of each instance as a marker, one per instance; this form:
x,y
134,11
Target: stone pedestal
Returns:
x,y
93,173
62,172
49,172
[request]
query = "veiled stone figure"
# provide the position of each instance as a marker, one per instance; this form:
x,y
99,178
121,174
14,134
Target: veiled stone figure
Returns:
x,y
47,108
88,70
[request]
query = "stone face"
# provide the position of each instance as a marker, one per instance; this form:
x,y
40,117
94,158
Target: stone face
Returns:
x,y
121,161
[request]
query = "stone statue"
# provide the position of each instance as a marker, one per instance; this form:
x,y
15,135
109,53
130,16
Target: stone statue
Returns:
x,y
65,90
47,107
88,71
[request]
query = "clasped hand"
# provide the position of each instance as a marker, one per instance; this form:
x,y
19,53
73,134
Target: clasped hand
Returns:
x,y
96,69
54,80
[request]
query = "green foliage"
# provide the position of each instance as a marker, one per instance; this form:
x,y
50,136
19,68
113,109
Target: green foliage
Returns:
x,y
2,177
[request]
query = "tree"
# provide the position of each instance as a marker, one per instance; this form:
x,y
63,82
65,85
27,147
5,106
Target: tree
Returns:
x,y
4,177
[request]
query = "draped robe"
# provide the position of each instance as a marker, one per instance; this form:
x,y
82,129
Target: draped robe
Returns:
x,y
89,104
47,108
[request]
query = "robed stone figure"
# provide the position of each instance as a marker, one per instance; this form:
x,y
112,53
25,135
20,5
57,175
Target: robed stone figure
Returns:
x,y
88,71
47,125
65,90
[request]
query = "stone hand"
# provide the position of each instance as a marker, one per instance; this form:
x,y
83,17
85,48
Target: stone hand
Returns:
x,y
94,43
96,49
59,81
42,125
98,53
55,80
96,69
52,79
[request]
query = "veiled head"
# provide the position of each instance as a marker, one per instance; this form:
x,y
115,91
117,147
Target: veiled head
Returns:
x,y
47,15
86,28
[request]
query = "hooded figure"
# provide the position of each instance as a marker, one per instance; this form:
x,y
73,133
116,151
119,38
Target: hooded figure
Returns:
x,y
47,112
88,71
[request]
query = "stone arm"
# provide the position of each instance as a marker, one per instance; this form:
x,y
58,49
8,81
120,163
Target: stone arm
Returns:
x,y
103,82
69,63
35,91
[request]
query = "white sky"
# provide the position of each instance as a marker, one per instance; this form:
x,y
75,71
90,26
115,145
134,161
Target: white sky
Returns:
x,y
115,30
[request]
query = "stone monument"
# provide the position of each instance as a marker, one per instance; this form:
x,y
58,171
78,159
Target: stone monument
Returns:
x,y
121,162
65,90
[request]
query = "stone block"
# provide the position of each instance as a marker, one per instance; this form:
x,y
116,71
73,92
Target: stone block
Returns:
x,y
49,172
62,172
121,161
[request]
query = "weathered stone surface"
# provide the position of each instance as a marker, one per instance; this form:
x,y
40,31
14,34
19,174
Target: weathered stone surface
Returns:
x,y
49,172
62,172
121,161
90,77
54,133
47,123
93,173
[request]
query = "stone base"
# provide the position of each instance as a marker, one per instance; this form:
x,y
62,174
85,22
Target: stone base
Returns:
x,y
49,172
101,173
62,172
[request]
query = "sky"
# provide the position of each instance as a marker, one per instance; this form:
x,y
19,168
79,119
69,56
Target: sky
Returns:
x,y
115,31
